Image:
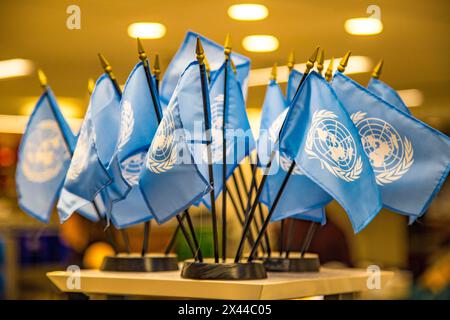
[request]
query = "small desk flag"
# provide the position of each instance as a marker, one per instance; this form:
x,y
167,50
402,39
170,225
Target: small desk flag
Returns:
x,y
44,158
322,139
410,159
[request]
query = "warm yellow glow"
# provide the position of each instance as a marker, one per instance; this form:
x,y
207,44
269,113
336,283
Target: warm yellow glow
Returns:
x,y
15,68
146,30
70,107
411,97
16,124
260,43
248,12
363,26
356,64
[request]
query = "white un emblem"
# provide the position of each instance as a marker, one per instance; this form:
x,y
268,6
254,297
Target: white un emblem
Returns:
x,y
330,142
390,155
44,152
162,155
131,167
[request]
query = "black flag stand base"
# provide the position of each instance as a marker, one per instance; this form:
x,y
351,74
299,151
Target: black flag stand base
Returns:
x,y
137,263
229,270
309,262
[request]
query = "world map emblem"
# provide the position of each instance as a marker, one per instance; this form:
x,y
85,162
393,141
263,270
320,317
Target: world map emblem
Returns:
x,y
162,155
390,154
131,167
45,152
217,131
273,134
331,143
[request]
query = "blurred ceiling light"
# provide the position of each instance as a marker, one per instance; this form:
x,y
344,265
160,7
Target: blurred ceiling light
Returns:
x,y
356,64
260,43
363,26
15,68
248,12
411,97
146,30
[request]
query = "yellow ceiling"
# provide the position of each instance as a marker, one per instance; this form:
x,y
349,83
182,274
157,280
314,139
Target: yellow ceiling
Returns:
x,y
414,42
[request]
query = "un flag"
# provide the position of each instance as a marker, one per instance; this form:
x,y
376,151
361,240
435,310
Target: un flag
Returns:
x,y
44,158
388,94
410,159
292,203
138,125
320,136
170,181
214,53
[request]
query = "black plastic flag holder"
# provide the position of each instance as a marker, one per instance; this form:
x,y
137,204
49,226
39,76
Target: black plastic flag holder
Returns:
x,y
139,262
213,269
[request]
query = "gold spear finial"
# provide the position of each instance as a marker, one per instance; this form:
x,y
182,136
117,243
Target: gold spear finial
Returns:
x,y
105,64
141,50
200,53
291,61
377,70
344,61
273,73
156,67
42,78
227,46
329,72
320,61
312,60
90,86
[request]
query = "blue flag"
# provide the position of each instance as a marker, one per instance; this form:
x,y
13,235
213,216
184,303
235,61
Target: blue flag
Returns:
x,y
44,158
68,203
91,169
138,126
238,134
410,159
170,180
306,204
214,54
385,92
292,85
320,136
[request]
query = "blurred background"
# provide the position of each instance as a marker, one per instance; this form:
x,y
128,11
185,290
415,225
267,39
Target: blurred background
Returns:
x,y
411,37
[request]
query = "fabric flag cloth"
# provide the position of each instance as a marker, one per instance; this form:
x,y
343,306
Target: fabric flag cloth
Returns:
x,y
239,138
91,169
306,206
322,139
388,94
170,181
411,160
138,125
44,158
294,80
214,54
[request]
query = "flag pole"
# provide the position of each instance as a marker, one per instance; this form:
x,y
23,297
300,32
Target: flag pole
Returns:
x,y
328,76
200,55
290,65
377,70
227,52
309,66
44,85
235,180
158,113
